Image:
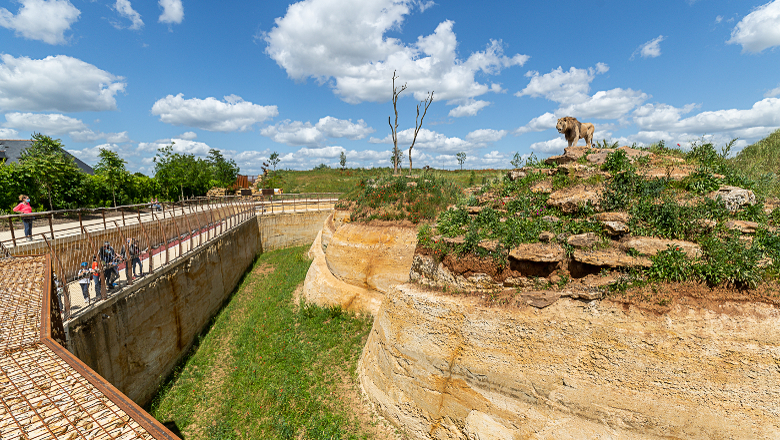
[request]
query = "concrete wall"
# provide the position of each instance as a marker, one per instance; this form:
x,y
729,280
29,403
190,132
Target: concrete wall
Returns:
x,y
279,231
135,339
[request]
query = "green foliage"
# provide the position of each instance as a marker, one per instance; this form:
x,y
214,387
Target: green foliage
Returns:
x,y
224,172
50,166
400,198
702,181
270,368
761,162
605,144
472,178
617,162
112,169
183,175
461,158
672,265
343,160
627,186
274,159
321,167
563,180
729,261
516,161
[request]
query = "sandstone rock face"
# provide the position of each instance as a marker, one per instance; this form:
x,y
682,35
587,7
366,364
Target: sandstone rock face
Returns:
x,y
610,258
570,154
322,288
612,217
426,270
598,157
538,252
742,226
441,367
570,199
516,174
583,240
327,232
374,257
734,197
652,246
615,228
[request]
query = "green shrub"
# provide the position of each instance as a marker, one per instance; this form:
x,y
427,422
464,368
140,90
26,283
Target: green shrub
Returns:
x,y
617,162
671,264
702,181
729,261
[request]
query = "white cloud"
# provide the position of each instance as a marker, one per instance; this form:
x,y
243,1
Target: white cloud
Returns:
x,y
126,10
8,133
92,154
294,133
718,19
485,136
340,128
759,30
183,146
426,140
468,107
651,49
539,123
346,41
188,135
173,11
56,83
91,136
610,104
57,124
232,114
552,146
772,93
304,133
560,86
51,124
764,113
44,20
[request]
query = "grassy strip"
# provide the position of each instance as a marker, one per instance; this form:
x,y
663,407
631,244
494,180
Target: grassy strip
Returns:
x,y
268,368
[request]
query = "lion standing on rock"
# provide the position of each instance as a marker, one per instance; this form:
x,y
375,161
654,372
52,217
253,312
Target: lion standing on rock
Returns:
x,y
574,130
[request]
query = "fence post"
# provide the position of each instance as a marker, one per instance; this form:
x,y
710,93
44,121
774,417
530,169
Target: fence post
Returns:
x,y
165,240
65,291
148,246
189,226
103,211
51,227
13,234
178,232
123,217
81,223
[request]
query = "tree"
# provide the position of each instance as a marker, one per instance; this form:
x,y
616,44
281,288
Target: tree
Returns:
x,y
461,158
427,103
177,171
343,160
112,168
516,161
49,164
274,159
394,129
224,172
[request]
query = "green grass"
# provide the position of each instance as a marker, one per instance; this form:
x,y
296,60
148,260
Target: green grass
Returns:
x,y
761,161
336,180
268,368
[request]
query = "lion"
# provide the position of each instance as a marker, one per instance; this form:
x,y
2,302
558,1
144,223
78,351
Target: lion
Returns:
x,y
574,130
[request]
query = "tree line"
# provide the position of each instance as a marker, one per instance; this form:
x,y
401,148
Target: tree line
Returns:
x,y
51,178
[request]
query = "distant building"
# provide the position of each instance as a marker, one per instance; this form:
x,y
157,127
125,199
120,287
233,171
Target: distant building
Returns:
x,y
11,150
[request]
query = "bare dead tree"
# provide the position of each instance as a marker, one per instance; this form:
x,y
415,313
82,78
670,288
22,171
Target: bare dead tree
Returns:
x,y
427,103
394,130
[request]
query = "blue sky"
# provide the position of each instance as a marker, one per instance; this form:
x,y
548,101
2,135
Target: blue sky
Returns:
x,y
311,79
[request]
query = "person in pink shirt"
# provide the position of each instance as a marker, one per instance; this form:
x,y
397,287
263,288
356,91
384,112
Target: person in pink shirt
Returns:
x,y
25,208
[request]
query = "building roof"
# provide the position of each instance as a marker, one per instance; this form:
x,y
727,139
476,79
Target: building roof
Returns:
x,y
11,150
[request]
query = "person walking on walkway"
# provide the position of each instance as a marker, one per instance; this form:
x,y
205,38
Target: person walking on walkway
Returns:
x,y
96,277
84,276
110,272
25,208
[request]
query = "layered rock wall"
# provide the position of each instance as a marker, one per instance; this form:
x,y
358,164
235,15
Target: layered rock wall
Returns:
x,y
446,368
279,231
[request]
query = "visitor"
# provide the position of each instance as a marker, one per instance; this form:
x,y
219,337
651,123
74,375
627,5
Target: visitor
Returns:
x,y
25,208
109,258
96,277
132,254
84,276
